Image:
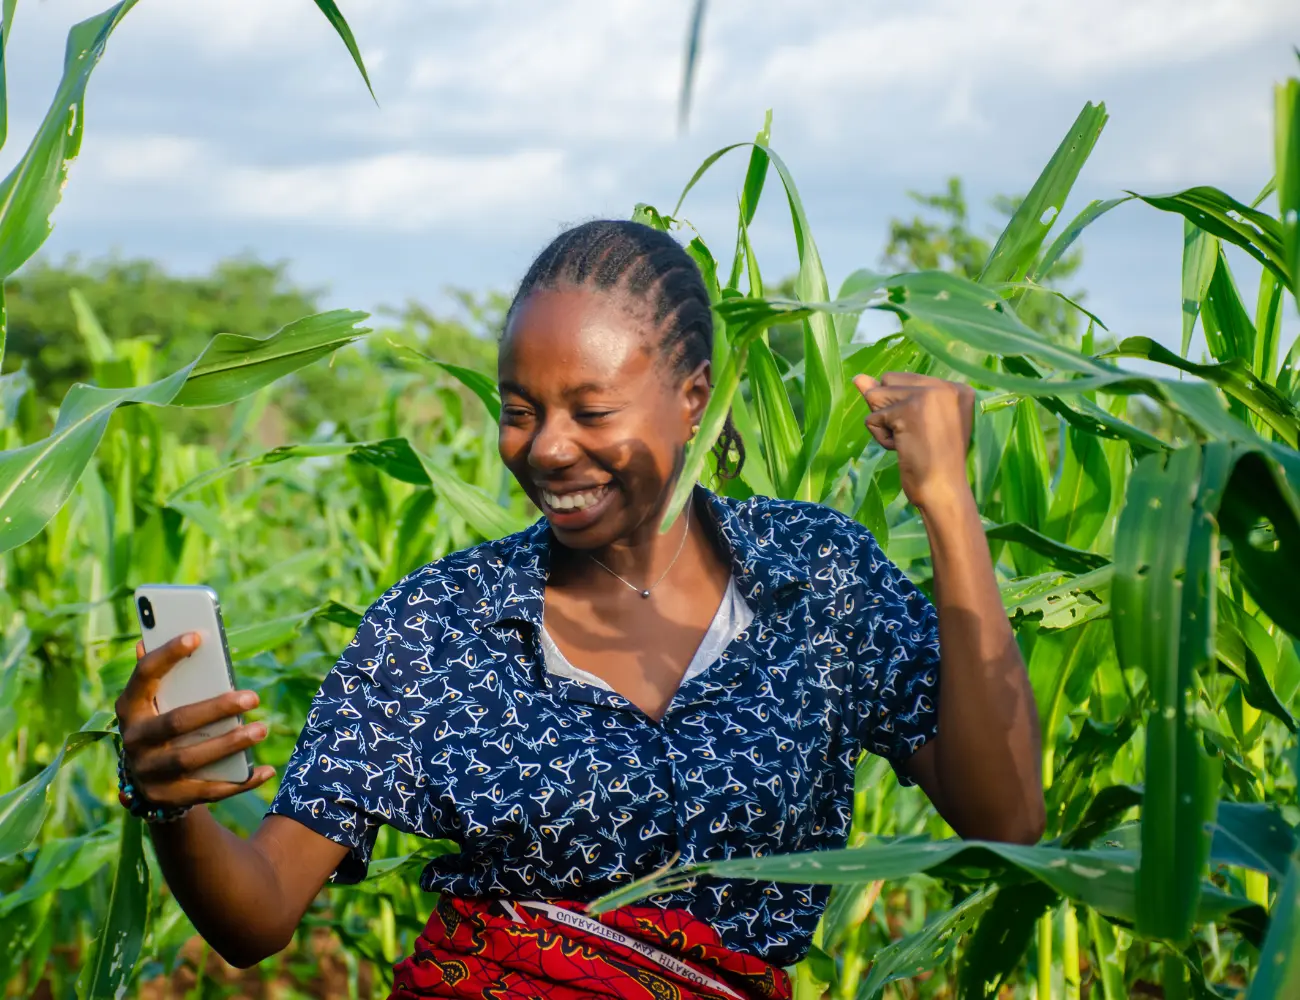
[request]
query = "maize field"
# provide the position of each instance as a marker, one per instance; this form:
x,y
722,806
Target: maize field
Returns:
x,y
1143,509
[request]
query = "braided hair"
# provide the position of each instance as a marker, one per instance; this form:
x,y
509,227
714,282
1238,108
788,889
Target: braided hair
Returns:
x,y
654,272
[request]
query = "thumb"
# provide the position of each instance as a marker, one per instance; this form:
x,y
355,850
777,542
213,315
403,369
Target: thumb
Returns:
x,y
865,383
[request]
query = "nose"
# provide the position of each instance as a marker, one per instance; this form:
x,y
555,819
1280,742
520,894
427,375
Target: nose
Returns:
x,y
553,446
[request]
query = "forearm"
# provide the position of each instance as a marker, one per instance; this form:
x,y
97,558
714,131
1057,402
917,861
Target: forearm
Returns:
x,y
988,757
226,885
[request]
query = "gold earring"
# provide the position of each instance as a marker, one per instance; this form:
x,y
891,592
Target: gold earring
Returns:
x,y
695,429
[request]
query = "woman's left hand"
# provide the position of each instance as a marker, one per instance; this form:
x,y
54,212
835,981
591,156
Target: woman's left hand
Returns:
x,y
927,420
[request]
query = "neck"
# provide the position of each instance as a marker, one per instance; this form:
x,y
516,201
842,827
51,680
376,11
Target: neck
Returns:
x,y
644,557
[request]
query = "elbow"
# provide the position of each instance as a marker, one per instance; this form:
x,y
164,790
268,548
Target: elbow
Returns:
x,y
1027,827
246,954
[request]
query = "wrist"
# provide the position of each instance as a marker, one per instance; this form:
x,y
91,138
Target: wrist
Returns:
x,y
948,503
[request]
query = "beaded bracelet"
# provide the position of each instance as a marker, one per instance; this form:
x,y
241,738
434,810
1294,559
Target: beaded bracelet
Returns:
x,y
135,802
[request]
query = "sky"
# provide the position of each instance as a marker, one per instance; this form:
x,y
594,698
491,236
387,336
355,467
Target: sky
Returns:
x,y
215,127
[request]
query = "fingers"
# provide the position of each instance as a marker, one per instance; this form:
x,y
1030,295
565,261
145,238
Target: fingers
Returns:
x,y
214,791
888,389
881,425
158,729
190,791
170,762
150,667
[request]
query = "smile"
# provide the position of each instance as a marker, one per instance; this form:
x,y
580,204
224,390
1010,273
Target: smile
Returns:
x,y
578,500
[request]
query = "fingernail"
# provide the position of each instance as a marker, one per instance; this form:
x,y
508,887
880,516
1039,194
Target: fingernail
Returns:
x,y
191,640
248,700
257,730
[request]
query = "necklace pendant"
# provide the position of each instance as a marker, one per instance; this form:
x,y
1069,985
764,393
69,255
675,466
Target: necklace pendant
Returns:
x,y
645,593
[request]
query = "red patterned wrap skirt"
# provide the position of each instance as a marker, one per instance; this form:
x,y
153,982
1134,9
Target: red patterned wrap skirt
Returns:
x,y
525,950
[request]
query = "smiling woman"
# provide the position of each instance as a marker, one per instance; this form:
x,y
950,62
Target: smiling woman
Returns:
x,y
573,736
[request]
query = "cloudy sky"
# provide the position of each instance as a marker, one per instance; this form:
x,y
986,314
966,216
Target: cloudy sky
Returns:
x,y
221,126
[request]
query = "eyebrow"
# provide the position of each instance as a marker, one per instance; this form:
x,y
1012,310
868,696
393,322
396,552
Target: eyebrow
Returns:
x,y
571,391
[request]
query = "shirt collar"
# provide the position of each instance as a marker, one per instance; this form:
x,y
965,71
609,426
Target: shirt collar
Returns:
x,y
760,566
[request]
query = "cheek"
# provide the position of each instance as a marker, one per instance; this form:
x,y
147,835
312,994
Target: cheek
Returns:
x,y
512,445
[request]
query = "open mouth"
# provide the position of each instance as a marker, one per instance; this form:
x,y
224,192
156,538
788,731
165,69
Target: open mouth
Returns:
x,y
575,508
577,500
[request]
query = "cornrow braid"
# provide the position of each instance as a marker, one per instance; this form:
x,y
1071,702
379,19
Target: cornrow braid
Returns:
x,y
654,271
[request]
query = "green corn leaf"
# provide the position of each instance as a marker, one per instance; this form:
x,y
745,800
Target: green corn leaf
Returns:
x,y
335,17
36,479
1002,938
386,873
1278,975
1081,500
33,188
61,865
275,456
1233,376
234,365
1256,232
1249,652
1104,878
1229,332
1200,257
1253,835
1163,599
753,473
1268,326
480,511
22,811
1111,803
782,439
927,949
1061,665
1094,211
1063,556
1262,490
1024,482
1111,947
1056,600
1016,249
6,28
115,950
823,381
750,193
1287,150
483,385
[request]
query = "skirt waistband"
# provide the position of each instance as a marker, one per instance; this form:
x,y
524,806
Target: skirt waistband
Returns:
x,y
497,949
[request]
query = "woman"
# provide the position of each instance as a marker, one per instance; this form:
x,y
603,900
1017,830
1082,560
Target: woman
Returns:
x,y
589,700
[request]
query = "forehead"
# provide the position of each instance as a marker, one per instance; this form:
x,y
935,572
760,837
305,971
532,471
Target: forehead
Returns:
x,y
575,335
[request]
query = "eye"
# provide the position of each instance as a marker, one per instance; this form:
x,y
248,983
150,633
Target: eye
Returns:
x,y
515,413
593,416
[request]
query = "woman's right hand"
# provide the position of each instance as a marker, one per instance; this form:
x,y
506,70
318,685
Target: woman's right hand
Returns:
x,y
162,771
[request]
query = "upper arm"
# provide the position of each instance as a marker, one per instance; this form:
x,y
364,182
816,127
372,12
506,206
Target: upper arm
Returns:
x,y
301,859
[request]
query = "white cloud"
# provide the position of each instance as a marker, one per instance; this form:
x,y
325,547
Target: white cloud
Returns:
x,y
400,191
396,191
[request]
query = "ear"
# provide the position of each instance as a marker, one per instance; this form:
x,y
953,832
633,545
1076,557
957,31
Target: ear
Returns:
x,y
696,389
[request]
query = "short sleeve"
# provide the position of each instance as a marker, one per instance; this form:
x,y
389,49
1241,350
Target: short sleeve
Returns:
x,y
356,766
893,644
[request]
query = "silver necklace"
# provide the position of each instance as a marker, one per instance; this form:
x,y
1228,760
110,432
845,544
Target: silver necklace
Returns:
x,y
632,586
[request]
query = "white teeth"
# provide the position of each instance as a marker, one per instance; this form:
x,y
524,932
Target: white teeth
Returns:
x,y
572,501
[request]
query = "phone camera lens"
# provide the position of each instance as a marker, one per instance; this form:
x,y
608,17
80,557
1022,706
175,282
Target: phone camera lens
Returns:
x,y
146,613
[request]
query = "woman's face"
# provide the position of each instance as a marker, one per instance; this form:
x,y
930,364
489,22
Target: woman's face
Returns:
x,y
592,419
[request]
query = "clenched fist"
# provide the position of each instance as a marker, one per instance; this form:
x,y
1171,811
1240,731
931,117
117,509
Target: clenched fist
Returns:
x,y
927,421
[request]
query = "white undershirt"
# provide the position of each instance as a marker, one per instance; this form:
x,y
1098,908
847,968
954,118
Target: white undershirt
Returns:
x,y
732,617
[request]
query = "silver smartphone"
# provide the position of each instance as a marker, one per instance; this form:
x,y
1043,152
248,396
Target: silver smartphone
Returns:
x,y
166,611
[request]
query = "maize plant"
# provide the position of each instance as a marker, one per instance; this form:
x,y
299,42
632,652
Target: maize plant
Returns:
x,y
1144,522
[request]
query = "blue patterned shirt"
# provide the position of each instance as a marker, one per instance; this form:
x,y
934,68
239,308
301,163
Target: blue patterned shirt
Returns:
x,y
440,719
